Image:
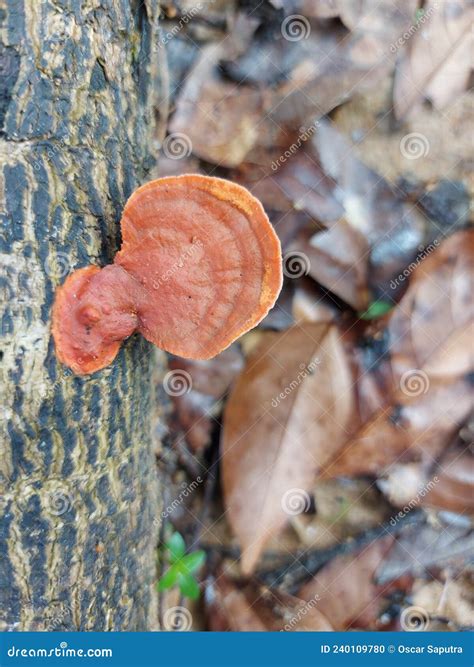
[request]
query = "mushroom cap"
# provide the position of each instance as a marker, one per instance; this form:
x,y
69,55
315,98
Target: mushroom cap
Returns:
x,y
93,312
200,265
208,258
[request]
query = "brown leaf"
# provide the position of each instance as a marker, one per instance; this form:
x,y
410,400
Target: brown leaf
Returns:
x,y
311,305
371,233
433,324
428,396
229,609
211,376
386,20
220,119
277,86
297,195
404,429
445,485
392,227
331,65
437,62
419,548
349,596
300,183
256,608
203,385
453,490
325,78
338,258
284,418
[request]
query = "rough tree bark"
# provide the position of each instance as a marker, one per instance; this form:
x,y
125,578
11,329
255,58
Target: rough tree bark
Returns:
x,y
78,503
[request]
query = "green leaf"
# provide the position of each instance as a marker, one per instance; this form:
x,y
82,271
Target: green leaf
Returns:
x,y
376,309
189,586
192,562
169,579
176,547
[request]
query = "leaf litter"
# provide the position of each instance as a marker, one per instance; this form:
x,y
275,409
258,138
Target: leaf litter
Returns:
x,y
334,442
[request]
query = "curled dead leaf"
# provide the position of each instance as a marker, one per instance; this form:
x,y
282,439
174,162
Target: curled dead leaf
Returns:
x,y
285,417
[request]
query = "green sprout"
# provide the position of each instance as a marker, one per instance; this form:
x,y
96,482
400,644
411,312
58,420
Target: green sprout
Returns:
x,y
182,567
376,309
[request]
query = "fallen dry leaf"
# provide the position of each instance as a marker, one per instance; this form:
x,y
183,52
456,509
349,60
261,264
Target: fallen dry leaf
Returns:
x,y
386,20
437,62
298,186
219,119
251,108
420,547
229,609
349,596
255,608
405,427
433,324
197,389
310,304
338,258
447,484
430,359
285,416
454,484
392,227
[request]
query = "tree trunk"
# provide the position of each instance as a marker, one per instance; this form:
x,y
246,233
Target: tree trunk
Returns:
x,y
78,510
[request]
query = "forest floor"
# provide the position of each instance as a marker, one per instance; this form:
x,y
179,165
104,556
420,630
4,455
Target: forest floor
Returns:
x,y
323,463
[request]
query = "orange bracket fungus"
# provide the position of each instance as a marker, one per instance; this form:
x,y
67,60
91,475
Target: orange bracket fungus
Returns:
x,y
200,265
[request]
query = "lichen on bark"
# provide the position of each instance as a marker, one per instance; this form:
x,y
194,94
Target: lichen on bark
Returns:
x,y
78,488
